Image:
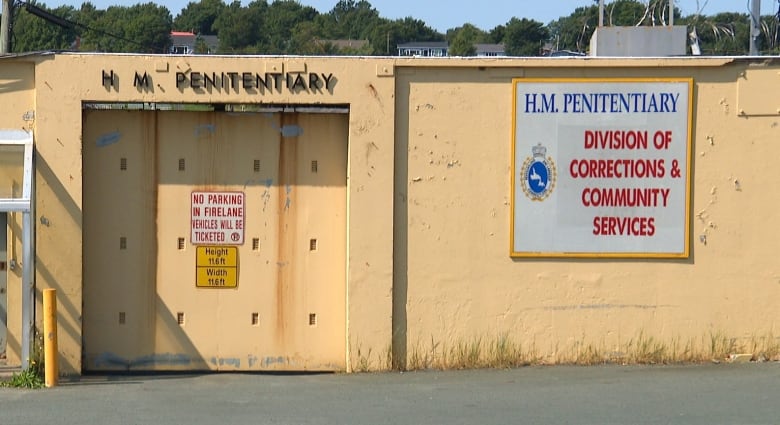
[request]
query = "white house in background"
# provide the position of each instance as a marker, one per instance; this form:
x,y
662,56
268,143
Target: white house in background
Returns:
x,y
490,50
441,49
185,43
424,49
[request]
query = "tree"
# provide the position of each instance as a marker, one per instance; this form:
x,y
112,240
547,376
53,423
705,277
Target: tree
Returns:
x,y
461,45
352,20
304,39
150,25
410,29
387,35
632,13
199,17
281,19
723,34
525,37
143,28
88,14
573,32
33,33
462,40
381,39
240,29
496,35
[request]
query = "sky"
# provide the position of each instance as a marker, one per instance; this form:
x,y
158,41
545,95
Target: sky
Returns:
x,y
442,15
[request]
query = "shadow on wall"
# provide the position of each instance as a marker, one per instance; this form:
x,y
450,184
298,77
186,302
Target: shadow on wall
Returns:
x,y
400,230
13,85
141,169
46,230
183,357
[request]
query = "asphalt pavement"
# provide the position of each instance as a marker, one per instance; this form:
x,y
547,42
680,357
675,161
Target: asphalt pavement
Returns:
x,y
694,394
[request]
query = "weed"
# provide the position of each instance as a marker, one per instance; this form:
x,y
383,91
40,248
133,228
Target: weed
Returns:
x,y
465,355
647,350
364,362
504,352
389,357
766,348
28,378
32,377
721,346
588,354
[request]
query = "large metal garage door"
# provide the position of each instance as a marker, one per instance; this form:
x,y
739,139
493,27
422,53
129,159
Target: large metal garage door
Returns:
x,y
214,240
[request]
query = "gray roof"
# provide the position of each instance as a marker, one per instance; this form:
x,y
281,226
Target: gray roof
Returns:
x,y
424,44
189,39
26,54
490,48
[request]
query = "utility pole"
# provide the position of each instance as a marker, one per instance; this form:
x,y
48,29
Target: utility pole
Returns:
x,y
755,29
601,13
5,25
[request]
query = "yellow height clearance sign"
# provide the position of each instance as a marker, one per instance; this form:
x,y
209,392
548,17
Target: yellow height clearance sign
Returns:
x,y
216,267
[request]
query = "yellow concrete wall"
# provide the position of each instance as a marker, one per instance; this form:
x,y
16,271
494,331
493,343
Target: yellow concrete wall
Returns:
x,y
69,80
17,86
461,287
429,204
142,309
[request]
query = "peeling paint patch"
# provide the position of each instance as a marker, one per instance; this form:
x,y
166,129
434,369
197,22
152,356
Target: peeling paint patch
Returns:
x,y
205,128
288,200
111,359
724,104
291,131
231,361
266,196
168,359
279,360
108,139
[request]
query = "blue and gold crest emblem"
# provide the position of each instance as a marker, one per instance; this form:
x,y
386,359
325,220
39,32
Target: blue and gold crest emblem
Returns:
x,y
538,174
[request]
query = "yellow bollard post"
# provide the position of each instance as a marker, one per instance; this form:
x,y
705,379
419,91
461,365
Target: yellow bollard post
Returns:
x,y
51,374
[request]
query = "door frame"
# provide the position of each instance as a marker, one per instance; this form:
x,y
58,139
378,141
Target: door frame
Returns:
x,y
24,204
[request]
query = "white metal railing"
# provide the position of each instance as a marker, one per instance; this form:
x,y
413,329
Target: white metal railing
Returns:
x,y
25,205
